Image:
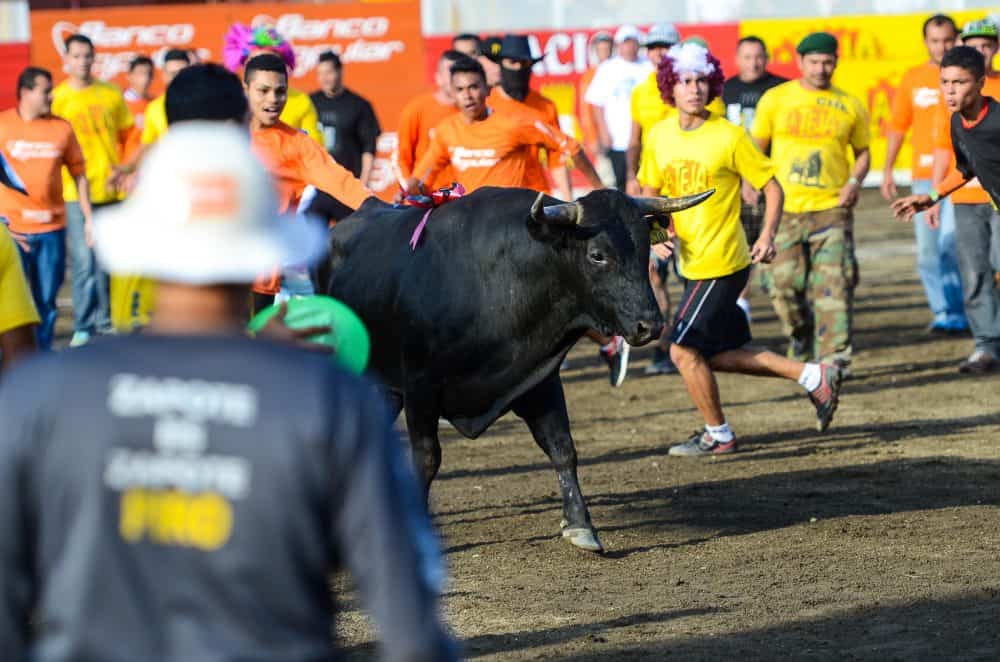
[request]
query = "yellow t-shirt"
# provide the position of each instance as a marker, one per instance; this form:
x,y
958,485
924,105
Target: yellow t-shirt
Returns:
x,y
155,120
648,107
100,119
300,113
17,308
715,155
809,132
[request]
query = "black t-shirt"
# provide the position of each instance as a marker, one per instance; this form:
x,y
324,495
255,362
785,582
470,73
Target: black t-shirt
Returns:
x,y
977,150
349,127
741,98
185,498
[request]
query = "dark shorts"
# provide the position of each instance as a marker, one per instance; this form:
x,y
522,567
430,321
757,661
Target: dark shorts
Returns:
x,y
708,318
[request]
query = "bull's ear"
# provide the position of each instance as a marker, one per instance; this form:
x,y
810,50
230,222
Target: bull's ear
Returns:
x,y
663,206
566,213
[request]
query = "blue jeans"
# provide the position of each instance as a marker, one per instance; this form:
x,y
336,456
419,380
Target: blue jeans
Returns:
x,y
937,258
976,227
45,268
91,286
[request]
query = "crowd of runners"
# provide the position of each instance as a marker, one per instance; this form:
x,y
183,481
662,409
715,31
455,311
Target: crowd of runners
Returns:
x,y
166,227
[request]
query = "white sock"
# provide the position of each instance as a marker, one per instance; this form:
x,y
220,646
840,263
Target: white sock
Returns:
x,y
720,432
811,377
745,305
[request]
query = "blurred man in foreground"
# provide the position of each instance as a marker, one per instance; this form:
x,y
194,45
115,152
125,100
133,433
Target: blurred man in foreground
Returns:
x,y
185,460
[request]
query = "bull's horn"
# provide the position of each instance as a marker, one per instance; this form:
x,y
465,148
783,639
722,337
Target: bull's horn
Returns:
x,y
668,205
567,213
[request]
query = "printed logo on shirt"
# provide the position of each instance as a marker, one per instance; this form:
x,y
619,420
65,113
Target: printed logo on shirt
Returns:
x,y
36,215
925,97
463,158
26,150
807,171
813,122
685,176
177,493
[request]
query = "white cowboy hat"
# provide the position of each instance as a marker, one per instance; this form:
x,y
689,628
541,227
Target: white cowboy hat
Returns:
x,y
204,211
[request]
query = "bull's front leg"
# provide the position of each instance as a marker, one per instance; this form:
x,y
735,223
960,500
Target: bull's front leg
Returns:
x,y
543,408
422,415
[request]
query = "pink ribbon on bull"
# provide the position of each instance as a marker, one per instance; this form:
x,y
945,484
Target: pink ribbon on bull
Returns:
x,y
430,203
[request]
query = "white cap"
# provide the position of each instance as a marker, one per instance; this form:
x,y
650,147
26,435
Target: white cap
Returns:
x,y
204,211
663,33
627,32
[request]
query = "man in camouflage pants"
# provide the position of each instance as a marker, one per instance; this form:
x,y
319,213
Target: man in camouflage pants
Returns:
x,y
808,125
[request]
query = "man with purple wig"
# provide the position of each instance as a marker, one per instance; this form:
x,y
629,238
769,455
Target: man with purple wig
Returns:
x,y
689,152
242,42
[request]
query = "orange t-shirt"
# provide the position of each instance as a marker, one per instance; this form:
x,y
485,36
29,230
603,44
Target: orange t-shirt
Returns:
x,y
588,129
37,151
535,107
495,151
972,193
296,161
416,130
136,106
916,103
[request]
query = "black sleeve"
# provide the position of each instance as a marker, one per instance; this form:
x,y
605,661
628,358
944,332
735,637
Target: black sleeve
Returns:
x,y
383,534
961,162
368,128
16,583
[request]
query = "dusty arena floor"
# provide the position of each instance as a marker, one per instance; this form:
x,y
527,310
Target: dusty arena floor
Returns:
x,y
877,540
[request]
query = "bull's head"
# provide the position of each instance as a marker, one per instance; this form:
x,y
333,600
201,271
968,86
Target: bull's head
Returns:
x,y
612,232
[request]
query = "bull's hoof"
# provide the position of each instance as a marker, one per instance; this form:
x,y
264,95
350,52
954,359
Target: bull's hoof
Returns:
x,y
584,538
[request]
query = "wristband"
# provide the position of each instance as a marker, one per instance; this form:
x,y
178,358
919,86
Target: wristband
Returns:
x,y
934,195
853,180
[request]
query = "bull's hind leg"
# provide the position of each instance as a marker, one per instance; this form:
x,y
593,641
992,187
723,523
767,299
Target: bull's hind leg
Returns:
x,y
543,408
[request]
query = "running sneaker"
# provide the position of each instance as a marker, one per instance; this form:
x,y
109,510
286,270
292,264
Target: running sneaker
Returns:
x,y
661,364
616,356
826,396
79,339
702,443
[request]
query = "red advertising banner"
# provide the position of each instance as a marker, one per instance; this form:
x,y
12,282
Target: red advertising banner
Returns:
x,y
380,43
14,57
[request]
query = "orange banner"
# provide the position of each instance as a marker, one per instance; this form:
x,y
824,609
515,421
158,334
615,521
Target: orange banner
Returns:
x,y
379,42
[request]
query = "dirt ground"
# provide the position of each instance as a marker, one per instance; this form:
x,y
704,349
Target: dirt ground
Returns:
x,y
879,539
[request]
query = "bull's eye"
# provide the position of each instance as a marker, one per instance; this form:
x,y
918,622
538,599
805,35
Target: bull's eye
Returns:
x,y
597,257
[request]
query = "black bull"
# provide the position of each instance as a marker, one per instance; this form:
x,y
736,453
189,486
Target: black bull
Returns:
x,y
477,320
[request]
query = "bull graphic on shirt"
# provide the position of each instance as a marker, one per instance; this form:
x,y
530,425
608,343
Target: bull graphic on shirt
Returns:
x,y
807,172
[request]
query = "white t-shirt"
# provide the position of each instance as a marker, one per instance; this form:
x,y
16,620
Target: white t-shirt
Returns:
x,y
611,89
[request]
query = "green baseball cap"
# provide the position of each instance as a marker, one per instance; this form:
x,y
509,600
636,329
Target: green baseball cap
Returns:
x,y
348,336
823,43
982,28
